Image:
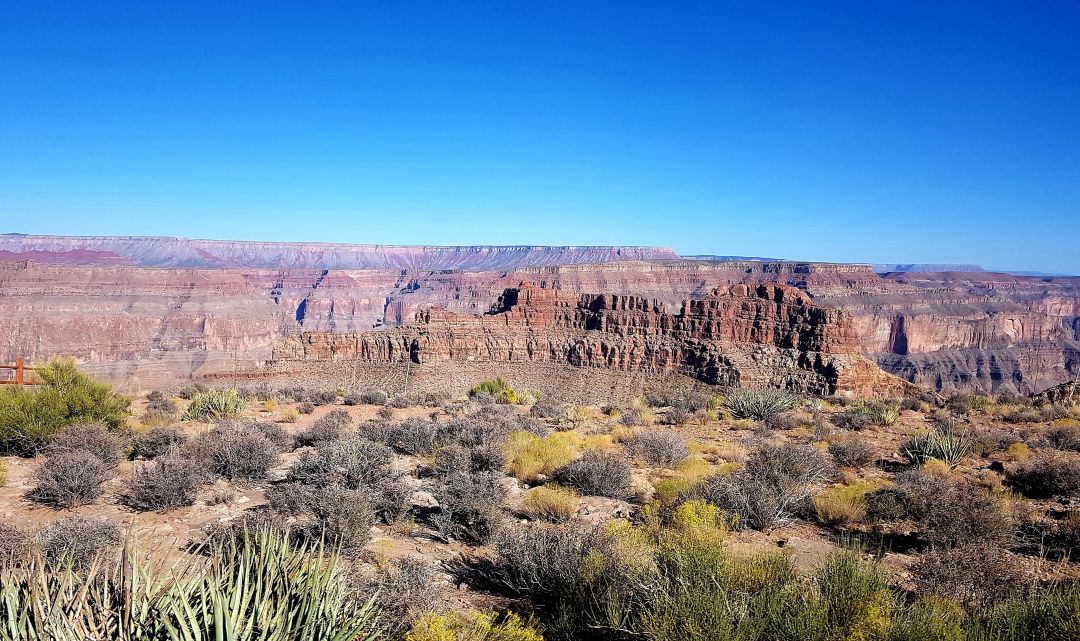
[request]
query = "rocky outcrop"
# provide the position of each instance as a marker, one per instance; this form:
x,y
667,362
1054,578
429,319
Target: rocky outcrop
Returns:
x,y
765,335
164,251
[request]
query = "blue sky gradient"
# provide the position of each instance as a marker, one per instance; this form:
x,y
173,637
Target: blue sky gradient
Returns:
x,y
847,131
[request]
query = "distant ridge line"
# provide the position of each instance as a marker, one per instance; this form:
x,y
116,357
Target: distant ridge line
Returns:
x,y
168,251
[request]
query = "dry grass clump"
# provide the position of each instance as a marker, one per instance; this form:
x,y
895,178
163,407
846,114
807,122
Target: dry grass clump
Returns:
x,y
854,420
167,483
528,455
452,626
844,505
159,410
596,473
289,415
68,480
1019,452
657,448
732,452
692,469
551,503
1064,434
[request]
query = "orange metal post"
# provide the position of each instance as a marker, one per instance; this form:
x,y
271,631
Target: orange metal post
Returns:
x,y
18,371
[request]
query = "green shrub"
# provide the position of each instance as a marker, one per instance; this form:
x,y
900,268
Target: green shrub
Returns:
x,y
29,419
758,404
470,626
214,405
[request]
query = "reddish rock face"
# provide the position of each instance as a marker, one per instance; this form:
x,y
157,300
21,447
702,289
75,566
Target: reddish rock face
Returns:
x,y
743,335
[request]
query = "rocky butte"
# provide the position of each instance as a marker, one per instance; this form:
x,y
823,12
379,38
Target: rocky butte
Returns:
x,y
765,335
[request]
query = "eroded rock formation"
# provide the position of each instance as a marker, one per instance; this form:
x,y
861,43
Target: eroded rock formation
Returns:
x,y
766,335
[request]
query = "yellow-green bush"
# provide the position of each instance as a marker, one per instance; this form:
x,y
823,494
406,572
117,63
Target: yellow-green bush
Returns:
x,y
3,474
30,418
472,626
501,391
1019,452
528,455
843,505
551,502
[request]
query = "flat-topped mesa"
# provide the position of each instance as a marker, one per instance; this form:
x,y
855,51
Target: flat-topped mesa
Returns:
x,y
766,335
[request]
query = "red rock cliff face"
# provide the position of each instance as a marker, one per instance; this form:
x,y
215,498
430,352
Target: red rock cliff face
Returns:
x,y
766,335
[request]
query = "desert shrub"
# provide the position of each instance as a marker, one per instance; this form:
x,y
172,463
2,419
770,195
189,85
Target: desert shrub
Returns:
x,y
13,542
488,457
986,442
758,405
188,392
657,448
214,405
168,482
373,397
843,505
793,420
541,560
159,408
551,503
911,404
1053,412
910,497
322,397
234,451
452,459
1064,434
326,428
276,434
158,441
676,416
352,463
352,398
30,418
1046,478
413,436
974,574
528,455
290,415
854,420
948,442
471,506
631,418
1019,452
3,474
1022,415
305,407
451,626
344,517
596,473
547,408
77,540
854,452
93,439
68,480
290,499
403,590
773,484
501,392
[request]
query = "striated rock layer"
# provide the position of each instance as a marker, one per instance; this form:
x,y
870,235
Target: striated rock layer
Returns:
x,y
766,335
964,331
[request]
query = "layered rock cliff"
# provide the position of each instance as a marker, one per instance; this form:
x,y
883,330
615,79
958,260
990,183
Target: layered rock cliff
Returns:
x,y
765,335
968,331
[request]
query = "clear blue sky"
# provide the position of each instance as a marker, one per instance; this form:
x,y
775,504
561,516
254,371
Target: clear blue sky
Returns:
x,y
861,131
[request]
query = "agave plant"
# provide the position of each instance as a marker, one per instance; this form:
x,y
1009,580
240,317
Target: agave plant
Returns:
x,y
758,404
887,415
947,442
254,588
215,404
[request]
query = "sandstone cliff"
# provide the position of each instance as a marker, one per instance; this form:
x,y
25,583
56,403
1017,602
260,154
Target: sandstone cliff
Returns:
x,y
765,335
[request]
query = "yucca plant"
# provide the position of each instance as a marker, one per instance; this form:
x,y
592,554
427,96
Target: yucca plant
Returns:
x,y
214,405
887,415
758,404
947,442
254,588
